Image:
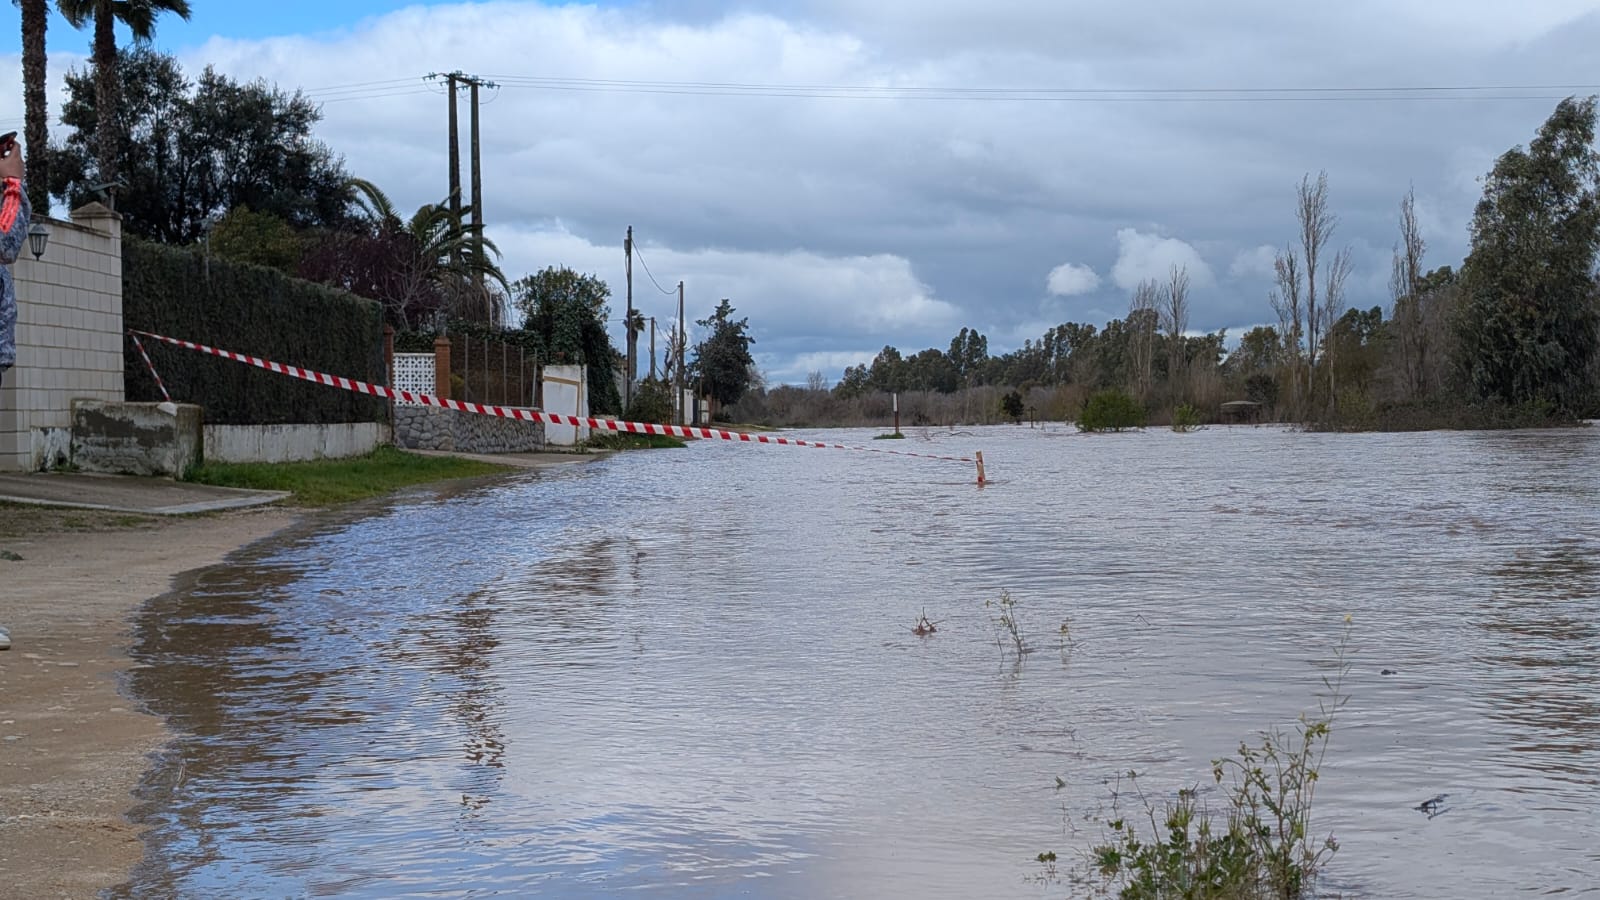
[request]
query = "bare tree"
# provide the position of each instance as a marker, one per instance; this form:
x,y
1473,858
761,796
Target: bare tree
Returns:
x,y
1405,285
1287,303
816,381
1332,309
1143,321
1175,319
1316,229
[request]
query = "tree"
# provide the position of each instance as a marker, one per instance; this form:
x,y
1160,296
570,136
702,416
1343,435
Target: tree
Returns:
x,y
1143,320
853,383
419,268
1410,310
262,239
1175,319
36,110
565,314
140,18
1528,332
197,150
1302,317
1011,406
723,363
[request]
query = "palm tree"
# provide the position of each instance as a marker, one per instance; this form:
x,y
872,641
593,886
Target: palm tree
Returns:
x,y
455,258
36,133
633,321
140,17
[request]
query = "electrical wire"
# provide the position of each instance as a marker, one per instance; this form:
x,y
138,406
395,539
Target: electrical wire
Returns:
x,y
1049,94
673,292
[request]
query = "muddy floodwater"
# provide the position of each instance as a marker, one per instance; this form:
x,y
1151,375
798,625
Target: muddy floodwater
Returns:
x,y
692,673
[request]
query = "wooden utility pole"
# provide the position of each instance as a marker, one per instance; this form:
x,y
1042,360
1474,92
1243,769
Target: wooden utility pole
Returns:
x,y
627,321
652,348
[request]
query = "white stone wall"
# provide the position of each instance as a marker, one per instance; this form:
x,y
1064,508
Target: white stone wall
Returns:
x,y
69,335
292,443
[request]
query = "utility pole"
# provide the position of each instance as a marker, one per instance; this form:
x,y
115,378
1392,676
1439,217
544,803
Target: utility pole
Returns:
x,y
477,189
455,151
652,348
627,321
453,80
682,351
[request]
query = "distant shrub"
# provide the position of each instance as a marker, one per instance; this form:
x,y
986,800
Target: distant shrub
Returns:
x,y
652,402
1186,418
1111,411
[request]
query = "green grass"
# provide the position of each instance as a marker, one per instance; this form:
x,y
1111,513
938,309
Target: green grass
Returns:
x,y
617,440
897,436
328,481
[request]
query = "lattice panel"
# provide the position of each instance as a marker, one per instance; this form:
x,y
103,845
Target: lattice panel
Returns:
x,y
413,372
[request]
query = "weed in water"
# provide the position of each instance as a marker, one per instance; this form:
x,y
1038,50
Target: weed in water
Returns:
x,y
925,626
1260,847
1007,627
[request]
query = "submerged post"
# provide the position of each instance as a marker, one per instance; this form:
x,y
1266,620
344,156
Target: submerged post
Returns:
x,y
981,479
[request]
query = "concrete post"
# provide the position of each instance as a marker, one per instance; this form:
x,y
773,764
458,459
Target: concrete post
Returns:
x,y
441,367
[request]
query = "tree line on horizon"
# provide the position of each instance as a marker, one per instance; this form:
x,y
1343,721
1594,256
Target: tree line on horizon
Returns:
x,y
1510,337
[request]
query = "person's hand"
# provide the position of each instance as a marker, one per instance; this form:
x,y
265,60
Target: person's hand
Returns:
x,y
11,163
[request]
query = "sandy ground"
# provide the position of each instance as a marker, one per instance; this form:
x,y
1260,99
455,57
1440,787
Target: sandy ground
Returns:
x,y
72,748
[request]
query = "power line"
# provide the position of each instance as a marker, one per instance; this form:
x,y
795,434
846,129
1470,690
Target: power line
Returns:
x,y
1050,94
653,280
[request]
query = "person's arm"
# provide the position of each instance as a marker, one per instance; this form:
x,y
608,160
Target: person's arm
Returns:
x,y
15,211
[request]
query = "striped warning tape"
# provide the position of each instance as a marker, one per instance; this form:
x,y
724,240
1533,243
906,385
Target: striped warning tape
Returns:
x,y
517,412
151,366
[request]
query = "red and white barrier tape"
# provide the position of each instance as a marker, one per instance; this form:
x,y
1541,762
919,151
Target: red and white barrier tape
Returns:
x,y
151,366
526,415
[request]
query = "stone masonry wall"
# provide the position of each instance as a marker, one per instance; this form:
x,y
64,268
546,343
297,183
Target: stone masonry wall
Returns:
x,y
431,428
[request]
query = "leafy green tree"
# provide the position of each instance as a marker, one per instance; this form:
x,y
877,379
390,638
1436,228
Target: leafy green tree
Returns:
x,y
140,18
565,314
259,238
856,381
888,372
1011,406
194,151
723,364
1110,410
969,350
1528,331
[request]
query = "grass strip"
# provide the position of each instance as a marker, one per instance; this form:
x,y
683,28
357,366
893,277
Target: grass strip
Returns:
x,y
328,481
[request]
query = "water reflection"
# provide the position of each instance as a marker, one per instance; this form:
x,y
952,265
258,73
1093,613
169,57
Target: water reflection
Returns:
x,y
693,673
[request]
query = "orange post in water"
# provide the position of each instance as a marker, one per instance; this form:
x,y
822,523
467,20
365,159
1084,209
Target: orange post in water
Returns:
x,y
981,479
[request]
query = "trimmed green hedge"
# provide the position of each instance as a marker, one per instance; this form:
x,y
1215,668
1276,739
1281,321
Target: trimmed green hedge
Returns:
x,y
254,310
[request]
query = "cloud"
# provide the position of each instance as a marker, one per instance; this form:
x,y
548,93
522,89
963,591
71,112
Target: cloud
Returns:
x,y
840,224
1143,256
1071,279
1256,262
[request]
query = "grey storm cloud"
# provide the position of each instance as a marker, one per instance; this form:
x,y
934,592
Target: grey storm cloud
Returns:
x,y
840,220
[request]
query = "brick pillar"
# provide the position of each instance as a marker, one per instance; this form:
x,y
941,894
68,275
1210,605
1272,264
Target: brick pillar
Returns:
x,y
441,367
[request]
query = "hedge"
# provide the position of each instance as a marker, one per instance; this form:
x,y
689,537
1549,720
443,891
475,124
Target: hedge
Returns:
x,y
248,309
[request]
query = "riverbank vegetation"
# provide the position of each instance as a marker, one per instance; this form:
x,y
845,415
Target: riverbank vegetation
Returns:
x,y
328,481
1508,338
1260,844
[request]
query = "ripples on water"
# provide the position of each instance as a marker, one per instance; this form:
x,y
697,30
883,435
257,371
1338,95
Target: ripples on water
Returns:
x,y
691,673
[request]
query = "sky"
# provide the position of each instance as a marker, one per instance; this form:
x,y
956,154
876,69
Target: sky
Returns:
x,y
853,175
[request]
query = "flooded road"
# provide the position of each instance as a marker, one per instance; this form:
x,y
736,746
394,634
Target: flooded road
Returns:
x,y
692,673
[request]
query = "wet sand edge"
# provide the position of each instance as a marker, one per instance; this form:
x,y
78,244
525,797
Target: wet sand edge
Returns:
x,y
72,747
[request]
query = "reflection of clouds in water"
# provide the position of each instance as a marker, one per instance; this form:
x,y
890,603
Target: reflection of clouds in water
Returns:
x,y
690,673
